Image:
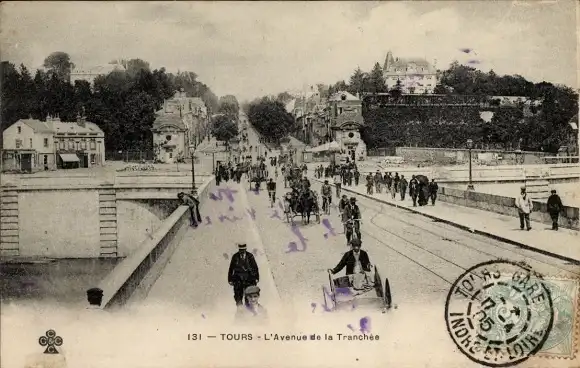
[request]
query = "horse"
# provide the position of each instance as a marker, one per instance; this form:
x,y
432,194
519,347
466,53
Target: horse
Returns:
x,y
308,205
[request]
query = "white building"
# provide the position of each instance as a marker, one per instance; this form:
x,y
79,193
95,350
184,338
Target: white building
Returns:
x,y
346,122
33,145
417,76
183,122
90,73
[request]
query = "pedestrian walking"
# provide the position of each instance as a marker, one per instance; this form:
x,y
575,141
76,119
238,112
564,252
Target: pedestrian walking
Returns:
x,y
370,183
378,181
356,177
413,189
433,188
243,272
403,187
554,205
525,206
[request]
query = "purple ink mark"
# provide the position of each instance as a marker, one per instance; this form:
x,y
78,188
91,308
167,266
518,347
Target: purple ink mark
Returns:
x,y
328,225
350,326
365,325
293,247
255,251
222,218
275,214
313,305
473,62
466,50
252,213
296,230
229,193
207,220
226,256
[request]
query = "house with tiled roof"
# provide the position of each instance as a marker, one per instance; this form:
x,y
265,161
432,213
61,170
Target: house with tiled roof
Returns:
x,y
32,145
416,75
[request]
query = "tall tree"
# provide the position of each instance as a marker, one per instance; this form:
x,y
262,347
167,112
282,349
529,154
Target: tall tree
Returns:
x,y
376,80
60,64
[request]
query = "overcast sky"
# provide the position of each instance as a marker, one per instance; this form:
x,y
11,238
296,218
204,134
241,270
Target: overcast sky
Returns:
x,y
257,48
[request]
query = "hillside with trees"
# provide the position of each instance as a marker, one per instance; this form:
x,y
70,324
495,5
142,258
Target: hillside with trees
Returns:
x,y
545,129
121,103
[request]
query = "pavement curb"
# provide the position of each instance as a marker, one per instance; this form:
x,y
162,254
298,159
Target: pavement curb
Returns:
x,y
258,239
464,227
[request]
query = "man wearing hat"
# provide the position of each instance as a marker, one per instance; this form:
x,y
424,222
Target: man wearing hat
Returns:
x,y
525,206
193,203
356,262
352,212
243,272
554,205
253,309
95,298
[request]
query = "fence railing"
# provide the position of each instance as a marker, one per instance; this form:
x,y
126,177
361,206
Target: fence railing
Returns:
x,y
130,156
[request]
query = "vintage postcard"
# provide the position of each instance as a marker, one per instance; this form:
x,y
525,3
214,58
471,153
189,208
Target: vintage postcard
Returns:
x,y
289,184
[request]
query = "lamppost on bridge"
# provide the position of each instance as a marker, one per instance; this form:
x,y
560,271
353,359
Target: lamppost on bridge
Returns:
x,y
469,147
193,188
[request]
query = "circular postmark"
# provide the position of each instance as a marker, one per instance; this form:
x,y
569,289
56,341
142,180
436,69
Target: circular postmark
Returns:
x,y
499,313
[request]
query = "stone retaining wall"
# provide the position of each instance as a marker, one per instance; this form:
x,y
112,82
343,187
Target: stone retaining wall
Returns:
x,y
507,206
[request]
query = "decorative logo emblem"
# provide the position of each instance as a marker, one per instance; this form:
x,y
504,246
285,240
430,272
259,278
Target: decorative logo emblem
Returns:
x,y
50,340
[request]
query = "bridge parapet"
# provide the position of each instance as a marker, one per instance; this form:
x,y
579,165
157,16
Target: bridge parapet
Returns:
x,y
148,260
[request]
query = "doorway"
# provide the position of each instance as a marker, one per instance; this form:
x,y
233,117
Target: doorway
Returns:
x,y
26,162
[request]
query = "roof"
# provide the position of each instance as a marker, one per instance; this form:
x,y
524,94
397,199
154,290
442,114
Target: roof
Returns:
x,y
37,125
163,119
338,96
406,66
74,127
57,126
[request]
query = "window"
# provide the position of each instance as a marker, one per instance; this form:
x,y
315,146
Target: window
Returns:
x,y
170,154
84,145
19,129
45,142
18,142
93,145
93,158
45,159
30,141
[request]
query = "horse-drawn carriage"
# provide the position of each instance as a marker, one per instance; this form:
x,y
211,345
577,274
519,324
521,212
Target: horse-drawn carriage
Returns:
x,y
302,204
292,176
257,174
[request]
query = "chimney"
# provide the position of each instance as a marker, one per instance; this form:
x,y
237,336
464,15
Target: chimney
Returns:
x,y
81,120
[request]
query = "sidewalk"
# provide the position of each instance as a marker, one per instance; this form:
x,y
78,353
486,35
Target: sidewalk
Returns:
x,y
562,244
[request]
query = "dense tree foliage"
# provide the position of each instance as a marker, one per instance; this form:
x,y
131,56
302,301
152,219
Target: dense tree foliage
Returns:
x,y
224,128
122,103
270,119
229,106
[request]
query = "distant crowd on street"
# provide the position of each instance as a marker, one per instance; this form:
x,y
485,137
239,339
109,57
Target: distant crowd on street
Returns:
x,y
419,188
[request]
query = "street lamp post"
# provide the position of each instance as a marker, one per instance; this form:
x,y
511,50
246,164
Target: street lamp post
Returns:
x,y
469,147
193,188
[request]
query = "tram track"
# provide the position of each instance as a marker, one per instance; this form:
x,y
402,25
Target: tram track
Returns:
x,y
461,234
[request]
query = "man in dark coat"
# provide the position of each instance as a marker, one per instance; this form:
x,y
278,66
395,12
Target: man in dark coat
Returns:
x,y
554,205
243,272
433,188
355,260
413,189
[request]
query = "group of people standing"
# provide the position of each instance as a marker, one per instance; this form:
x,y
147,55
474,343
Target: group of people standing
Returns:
x,y
419,189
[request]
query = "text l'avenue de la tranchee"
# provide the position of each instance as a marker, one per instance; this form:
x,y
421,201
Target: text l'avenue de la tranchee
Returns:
x,y
288,337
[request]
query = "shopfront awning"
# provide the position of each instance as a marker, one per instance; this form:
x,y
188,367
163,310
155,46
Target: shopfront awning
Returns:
x,y
69,157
